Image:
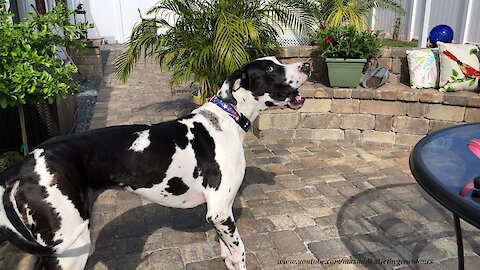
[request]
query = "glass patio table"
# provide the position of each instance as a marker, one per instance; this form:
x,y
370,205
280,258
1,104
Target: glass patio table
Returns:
x,y
446,164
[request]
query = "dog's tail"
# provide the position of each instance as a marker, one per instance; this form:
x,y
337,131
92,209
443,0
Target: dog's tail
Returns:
x,y
14,230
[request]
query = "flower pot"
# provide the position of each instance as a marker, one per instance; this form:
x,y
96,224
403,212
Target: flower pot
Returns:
x,y
345,72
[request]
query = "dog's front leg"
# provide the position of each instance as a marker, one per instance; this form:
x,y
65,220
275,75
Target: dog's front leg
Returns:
x,y
232,249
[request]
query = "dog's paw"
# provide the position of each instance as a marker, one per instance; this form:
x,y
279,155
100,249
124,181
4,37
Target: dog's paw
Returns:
x,y
229,263
240,266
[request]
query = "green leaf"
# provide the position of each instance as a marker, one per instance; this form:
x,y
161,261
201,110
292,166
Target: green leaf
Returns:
x,y
459,80
454,72
451,89
448,254
472,82
3,103
473,51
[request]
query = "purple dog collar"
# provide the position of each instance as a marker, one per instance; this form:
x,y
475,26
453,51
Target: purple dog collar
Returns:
x,y
241,120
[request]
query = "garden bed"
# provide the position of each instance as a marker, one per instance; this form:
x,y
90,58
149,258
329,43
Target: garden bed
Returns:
x,y
393,114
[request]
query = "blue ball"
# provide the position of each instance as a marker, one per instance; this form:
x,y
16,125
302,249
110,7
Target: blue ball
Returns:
x,y
442,32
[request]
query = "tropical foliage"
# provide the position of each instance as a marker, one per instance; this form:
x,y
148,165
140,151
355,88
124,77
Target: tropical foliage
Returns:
x,y
348,12
347,42
206,40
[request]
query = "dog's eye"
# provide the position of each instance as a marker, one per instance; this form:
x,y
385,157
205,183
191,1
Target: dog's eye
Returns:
x,y
270,69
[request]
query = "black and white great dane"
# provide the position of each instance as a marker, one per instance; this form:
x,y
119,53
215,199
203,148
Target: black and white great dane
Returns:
x,y
47,198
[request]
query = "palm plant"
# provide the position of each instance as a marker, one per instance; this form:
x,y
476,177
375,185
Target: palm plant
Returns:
x,y
208,40
349,12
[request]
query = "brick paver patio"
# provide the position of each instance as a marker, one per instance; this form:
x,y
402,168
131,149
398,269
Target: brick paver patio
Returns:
x,y
300,202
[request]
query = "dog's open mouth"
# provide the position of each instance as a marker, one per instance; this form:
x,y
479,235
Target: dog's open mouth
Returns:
x,y
296,103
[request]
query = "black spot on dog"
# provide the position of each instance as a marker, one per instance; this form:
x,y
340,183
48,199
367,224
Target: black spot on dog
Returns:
x,y
176,186
196,172
230,224
130,168
290,82
236,243
269,104
204,148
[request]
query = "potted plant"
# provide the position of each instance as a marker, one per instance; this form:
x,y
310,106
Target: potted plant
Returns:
x,y
30,69
346,50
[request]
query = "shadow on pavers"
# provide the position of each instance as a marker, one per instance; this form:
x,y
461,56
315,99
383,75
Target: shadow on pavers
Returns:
x,y
119,238
386,237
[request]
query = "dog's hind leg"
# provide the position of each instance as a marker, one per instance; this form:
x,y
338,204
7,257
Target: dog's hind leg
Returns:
x,y
232,248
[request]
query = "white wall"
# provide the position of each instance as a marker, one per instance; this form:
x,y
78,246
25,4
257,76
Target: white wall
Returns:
x,y
113,19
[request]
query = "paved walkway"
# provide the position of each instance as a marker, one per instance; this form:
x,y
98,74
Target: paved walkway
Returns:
x,y
300,203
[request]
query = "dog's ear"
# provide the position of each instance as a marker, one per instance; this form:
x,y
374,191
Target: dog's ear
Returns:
x,y
232,84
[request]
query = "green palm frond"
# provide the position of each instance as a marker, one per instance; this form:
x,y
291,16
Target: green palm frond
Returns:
x,y
347,12
206,40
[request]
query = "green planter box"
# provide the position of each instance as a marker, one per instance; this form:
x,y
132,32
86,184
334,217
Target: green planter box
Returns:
x,y
345,72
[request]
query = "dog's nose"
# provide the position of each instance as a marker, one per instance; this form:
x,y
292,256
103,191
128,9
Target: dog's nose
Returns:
x,y
305,68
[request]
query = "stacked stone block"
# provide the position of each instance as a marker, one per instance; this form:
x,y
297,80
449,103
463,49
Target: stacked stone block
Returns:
x,y
89,64
394,114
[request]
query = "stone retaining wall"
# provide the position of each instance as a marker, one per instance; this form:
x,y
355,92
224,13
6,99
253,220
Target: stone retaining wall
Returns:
x,y
393,114
89,64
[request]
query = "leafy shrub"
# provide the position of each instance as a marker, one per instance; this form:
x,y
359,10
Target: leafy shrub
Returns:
x,y
30,69
8,159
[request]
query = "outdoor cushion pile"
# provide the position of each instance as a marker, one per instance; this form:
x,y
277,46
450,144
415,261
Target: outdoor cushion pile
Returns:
x,y
450,67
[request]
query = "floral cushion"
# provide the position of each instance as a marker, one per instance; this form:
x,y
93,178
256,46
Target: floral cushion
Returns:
x,y
459,67
424,68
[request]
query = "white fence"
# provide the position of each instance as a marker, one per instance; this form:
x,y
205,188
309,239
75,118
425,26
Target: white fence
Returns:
x,y
461,15
114,19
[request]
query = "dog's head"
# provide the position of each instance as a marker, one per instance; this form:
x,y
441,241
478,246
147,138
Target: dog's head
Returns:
x,y
268,82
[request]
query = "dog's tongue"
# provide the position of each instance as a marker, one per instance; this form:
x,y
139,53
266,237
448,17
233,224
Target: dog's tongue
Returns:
x,y
297,103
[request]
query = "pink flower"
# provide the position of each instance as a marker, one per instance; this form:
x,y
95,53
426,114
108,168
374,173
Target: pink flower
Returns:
x,y
343,33
329,40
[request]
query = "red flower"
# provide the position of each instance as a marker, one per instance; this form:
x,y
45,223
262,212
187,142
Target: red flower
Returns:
x,y
323,27
313,43
329,40
343,33
371,31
